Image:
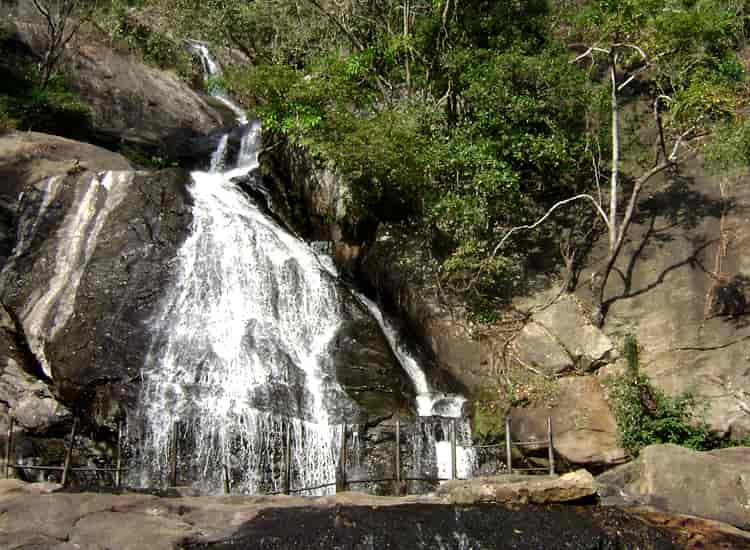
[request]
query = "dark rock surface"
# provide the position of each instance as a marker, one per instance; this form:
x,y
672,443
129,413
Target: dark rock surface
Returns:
x,y
366,367
314,200
39,515
88,275
413,526
401,268
91,255
28,158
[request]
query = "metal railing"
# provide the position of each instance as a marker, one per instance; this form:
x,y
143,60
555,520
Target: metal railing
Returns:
x,y
342,483
66,468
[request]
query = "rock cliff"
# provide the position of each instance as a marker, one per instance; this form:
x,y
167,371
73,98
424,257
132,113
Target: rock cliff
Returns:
x,y
91,252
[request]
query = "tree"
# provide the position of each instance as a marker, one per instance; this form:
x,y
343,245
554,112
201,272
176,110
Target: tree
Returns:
x,y
61,28
684,80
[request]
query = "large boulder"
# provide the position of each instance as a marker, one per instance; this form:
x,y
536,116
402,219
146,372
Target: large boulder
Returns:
x,y
22,386
584,430
148,108
88,264
684,291
520,489
560,335
714,484
30,158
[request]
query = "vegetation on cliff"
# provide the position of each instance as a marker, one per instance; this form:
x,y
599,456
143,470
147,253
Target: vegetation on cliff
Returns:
x,y
647,416
29,102
471,118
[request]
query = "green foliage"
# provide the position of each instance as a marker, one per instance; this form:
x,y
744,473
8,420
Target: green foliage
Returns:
x,y
731,147
157,48
488,419
511,134
691,46
646,416
26,105
214,84
472,119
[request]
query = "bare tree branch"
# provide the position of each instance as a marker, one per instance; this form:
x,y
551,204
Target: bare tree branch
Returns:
x,y
58,33
499,245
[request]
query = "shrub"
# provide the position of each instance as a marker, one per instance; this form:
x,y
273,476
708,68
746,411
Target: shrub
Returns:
x,y
646,416
26,105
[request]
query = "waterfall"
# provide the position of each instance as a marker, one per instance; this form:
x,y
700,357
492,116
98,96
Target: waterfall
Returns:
x,y
240,357
218,158
211,70
240,360
430,403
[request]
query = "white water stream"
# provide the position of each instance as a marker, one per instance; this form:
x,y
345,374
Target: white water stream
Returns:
x,y
430,403
241,355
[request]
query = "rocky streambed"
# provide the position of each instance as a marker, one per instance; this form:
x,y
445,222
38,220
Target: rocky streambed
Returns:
x,y
487,513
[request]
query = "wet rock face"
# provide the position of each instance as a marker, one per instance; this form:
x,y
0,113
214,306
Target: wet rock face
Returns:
x,y
401,269
439,526
91,255
90,264
366,367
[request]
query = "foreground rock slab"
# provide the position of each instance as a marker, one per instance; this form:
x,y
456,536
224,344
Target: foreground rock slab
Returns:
x,y
522,489
714,484
32,517
41,516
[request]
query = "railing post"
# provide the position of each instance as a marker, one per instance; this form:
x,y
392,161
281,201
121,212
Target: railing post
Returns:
x,y
175,451
507,444
287,460
69,454
398,457
118,466
9,447
226,476
454,465
341,484
550,448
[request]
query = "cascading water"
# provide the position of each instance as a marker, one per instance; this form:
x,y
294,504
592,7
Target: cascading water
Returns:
x,y
211,70
444,410
239,357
